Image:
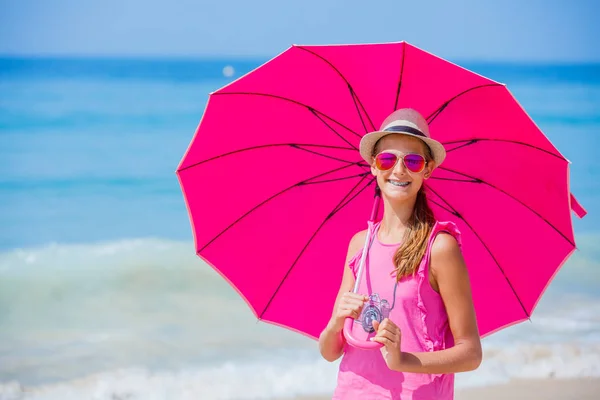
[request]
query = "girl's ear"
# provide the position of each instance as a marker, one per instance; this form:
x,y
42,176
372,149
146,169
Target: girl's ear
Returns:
x,y
429,169
373,169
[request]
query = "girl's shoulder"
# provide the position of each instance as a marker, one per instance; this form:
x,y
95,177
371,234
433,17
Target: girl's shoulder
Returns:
x,y
357,241
355,248
448,227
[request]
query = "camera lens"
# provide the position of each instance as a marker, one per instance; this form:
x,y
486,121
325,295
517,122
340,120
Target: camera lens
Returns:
x,y
370,313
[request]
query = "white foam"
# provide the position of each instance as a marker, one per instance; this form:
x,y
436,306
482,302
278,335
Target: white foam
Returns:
x,y
527,361
73,310
228,381
111,256
297,374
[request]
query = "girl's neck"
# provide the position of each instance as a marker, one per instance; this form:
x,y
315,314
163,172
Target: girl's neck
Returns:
x,y
395,221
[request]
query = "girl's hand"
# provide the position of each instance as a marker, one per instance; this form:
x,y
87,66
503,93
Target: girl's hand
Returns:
x,y
389,335
350,305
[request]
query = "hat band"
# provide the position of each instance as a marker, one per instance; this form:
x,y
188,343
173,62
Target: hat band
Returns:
x,y
405,129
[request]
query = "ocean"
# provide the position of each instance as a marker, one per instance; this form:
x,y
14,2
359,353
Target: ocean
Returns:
x,y
101,294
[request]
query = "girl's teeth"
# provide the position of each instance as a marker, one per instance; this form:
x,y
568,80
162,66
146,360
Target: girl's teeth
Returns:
x,y
395,183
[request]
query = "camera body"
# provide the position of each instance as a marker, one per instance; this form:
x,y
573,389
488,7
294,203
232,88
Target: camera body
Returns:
x,y
374,309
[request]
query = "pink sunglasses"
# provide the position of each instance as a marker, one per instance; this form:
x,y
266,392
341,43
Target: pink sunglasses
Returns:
x,y
387,160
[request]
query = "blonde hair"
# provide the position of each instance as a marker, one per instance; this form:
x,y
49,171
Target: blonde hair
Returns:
x,y
414,245
409,255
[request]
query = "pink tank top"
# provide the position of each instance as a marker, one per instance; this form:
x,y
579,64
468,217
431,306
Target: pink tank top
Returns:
x,y
418,311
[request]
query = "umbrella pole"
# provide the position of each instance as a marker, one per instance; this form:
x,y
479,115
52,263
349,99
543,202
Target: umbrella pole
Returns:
x,y
371,222
363,344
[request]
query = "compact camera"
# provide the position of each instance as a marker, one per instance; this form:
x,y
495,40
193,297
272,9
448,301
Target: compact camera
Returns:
x,y
374,309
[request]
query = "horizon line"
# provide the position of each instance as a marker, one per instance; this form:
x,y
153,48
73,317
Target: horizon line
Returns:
x,y
264,58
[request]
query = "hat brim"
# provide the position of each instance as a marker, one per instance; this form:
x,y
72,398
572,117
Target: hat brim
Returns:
x,y
368,141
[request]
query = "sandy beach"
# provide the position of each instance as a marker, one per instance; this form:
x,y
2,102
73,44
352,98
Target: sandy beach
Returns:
x,y
543,389
551,389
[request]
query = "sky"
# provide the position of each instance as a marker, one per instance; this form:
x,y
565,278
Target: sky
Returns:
x,y
494,30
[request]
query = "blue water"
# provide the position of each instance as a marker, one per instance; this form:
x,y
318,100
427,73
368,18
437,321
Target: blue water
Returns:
x,y
89,147
97,270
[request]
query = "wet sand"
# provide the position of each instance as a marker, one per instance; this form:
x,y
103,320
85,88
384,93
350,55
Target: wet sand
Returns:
x,y
542,389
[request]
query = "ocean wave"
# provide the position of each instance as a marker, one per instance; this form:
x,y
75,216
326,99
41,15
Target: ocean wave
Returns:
x,y
92,306
73,310
111,256
527,360
118,255
295,375
134,275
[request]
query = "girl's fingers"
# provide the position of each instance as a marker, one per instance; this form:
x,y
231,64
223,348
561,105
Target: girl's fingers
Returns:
x,y
355,307
383,340
382,333
388,323
388,330
390,326
355,296
375,325
349,313
352,303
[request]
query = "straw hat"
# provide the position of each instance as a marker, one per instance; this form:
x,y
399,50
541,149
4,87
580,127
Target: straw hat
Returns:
x,y
404,121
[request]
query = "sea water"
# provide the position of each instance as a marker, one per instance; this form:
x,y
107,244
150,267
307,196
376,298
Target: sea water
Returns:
x,y
101,294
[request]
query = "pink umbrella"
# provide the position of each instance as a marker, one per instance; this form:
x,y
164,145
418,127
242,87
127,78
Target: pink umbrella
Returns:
x,y
275,186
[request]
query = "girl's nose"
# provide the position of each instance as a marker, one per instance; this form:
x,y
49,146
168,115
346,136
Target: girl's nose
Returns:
x,y
400,168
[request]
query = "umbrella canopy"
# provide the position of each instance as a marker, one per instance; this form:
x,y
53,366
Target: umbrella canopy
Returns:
x,y
275,186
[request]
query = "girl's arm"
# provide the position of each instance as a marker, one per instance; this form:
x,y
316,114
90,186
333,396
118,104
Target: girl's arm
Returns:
x,y
450,274
331,340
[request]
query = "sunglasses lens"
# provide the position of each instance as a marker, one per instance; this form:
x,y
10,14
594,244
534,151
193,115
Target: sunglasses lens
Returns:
x,y
414,162
385,161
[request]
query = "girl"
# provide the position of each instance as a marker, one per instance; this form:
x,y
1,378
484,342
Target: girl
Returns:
x,y
415,266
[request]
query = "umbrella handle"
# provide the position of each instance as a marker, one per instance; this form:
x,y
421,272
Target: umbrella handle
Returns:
x,y
361,344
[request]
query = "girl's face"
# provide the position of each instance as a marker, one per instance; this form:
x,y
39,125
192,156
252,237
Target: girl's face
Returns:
x,y
400,183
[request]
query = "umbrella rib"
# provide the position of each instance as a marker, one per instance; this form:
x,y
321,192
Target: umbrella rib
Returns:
x,y
457,147
314,112
401,73
441,108
327,218
437,178
268,200
336,179
355,97
442,207
353,197
299,146
468,142
312,109
457,214
477,180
